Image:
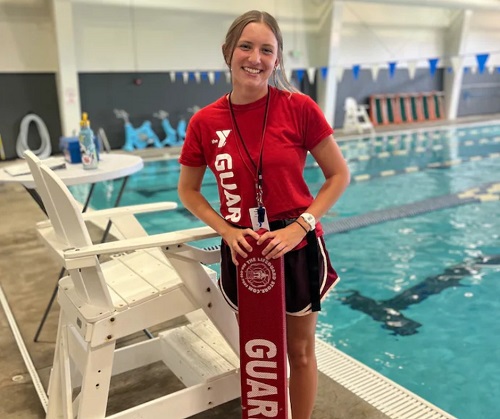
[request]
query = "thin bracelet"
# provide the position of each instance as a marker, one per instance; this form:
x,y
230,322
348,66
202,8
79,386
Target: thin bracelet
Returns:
x,y
303,228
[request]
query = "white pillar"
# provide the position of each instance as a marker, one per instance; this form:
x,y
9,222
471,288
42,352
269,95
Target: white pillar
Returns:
x,y
68,89
455,45
327,89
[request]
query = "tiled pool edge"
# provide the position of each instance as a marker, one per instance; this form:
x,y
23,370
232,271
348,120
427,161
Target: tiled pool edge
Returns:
x,y
380,392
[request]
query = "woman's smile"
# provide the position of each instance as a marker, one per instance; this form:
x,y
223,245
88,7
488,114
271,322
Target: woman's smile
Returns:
x,y
252,70
253,61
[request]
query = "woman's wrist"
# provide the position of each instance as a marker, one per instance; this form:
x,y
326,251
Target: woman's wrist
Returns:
x,y
306,230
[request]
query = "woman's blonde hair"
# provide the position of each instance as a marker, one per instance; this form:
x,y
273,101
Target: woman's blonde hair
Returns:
x,y
234,34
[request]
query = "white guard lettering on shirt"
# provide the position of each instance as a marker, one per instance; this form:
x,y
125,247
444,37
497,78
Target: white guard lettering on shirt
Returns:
x,y
223,165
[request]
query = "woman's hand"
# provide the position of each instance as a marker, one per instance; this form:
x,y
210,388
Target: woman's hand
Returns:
x,y
282,240
235,239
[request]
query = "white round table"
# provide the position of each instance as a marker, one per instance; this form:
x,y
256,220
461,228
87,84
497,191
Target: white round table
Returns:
x,y
111,166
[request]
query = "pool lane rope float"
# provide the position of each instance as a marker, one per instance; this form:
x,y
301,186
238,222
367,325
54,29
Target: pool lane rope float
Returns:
x,y
487,192
416,150
484,193
148,193
417,168
412,169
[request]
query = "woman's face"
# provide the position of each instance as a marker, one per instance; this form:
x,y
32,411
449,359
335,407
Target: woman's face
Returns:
x,y
254,58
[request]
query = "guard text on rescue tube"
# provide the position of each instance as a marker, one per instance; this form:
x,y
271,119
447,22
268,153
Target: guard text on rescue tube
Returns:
x,y
263,378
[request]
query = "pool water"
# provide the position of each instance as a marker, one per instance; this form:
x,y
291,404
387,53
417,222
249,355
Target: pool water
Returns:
x,y
452,357
418,300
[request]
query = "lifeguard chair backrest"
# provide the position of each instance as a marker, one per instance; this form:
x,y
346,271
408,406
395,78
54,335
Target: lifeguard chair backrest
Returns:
x,y
89,281
34,164
67,210
350,105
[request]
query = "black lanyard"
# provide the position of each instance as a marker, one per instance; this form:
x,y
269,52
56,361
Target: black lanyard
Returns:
x,y
258,166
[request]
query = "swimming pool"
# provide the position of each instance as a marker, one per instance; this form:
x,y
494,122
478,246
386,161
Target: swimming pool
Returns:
x,y
415,239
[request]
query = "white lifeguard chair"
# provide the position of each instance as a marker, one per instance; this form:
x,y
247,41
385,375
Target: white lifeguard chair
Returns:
x,y
147,281
356,117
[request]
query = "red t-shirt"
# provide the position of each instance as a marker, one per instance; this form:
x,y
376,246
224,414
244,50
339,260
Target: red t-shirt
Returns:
x,y
295,124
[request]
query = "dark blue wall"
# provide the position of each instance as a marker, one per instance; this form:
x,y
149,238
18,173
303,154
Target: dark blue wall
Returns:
x,y
102,92
480,94
21,94
363,87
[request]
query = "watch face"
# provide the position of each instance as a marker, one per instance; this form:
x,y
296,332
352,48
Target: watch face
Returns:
x,y
309,219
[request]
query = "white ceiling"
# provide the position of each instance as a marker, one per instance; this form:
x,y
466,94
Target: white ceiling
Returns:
x,y
225,5
221,6
447,4
231,6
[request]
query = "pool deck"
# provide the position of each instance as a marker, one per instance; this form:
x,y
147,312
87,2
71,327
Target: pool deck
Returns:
x,y
347,389
28,277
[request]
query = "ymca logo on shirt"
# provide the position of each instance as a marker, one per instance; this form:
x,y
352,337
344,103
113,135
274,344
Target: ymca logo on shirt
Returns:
x,y
221,142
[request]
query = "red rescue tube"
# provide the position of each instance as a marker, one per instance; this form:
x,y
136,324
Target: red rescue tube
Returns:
x,y
261,307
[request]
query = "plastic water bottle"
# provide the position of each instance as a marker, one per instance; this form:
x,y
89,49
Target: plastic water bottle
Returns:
x,y
87,145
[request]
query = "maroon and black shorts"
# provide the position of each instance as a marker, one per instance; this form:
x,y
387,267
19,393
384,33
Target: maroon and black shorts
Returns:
x,y
302,268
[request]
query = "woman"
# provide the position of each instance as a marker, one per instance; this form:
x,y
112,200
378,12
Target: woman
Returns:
x,y
255,140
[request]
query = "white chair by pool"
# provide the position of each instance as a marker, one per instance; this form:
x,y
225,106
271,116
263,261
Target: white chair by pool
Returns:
x,y
356,117
148,281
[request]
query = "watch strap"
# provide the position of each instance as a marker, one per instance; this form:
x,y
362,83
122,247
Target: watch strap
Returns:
x,y
309,219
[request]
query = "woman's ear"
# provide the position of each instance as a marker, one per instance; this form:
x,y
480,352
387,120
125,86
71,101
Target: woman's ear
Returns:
x,y
226,60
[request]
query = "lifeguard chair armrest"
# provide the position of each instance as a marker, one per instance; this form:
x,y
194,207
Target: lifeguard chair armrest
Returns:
x,y
73,257
120,211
